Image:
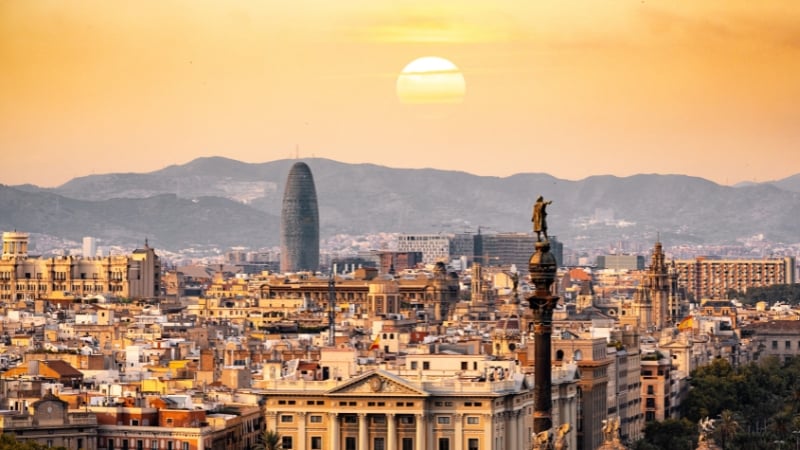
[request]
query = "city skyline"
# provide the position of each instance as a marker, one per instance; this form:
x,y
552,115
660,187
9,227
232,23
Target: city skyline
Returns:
x,y
571,89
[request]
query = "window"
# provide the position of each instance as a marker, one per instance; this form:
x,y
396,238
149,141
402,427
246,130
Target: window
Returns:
x,y
788,345
134,422
464,365
426,365
650,403
110,444
650,390
315,419
774,345
169,445
472,444
287,418
316,442
444,444
349,443
139,444
407,444
350,418
649,416
378,444
473,420
286,442
153,444
407,420
443,420
379,420
185,446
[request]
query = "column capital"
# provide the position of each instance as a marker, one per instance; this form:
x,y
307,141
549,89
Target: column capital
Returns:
x,y
333,414
302,413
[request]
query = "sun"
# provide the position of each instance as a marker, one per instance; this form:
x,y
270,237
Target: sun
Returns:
x,y
431,80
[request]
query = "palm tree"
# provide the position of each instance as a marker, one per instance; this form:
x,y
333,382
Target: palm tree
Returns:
x,y
728,427
269,440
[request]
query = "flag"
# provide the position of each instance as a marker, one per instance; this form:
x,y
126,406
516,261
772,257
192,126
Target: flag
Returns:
x,y
376,344
686,324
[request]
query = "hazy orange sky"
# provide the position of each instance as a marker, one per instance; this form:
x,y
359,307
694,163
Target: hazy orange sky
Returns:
x,y
568,87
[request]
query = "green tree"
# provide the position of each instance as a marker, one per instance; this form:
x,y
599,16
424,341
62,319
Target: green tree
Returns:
x,y
268,440
9,442
669,434
726,428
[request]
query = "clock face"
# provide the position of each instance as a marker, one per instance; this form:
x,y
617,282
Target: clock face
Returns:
x,y
49,408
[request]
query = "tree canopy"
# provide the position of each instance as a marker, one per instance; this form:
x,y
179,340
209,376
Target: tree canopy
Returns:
x,y
753,405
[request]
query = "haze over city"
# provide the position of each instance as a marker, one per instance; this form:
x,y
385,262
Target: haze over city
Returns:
x,y
569,88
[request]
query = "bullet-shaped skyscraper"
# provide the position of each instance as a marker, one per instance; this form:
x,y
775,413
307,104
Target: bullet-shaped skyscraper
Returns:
x,y
299,222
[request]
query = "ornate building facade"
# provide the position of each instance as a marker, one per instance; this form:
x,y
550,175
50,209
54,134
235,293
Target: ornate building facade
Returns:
x,y
22,277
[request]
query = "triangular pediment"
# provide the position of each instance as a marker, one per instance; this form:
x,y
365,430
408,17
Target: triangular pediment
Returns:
x,y
379,384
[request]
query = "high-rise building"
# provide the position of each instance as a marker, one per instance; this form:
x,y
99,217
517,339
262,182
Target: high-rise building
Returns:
x,y
299,222
505,249
89,247
434,247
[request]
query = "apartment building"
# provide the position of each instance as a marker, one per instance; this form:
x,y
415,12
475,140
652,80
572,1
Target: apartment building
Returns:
x,y
707,278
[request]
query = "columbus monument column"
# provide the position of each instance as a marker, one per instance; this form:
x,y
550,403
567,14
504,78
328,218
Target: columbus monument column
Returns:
x,y
543,267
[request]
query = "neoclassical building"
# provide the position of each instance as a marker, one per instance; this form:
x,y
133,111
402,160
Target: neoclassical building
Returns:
x,y
380,410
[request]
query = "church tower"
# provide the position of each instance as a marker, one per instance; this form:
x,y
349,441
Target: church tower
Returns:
x,y
659,288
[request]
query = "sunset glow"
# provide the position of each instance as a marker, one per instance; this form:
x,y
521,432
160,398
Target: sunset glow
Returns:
x,y
702,88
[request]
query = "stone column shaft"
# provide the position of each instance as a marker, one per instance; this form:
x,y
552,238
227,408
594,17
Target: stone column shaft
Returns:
x,y
422,427
334,423
391,432
363,443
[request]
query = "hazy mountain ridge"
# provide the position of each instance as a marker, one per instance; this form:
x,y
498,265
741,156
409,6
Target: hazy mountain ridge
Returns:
x,y
218,201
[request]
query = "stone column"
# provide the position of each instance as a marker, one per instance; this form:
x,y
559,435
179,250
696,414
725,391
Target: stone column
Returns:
x,y
512,429
301,429
333,419
488,428
422,427
543,267
459,444
363,443
391,432
429,437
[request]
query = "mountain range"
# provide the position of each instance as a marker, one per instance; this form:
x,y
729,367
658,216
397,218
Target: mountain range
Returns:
x,y
219,202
